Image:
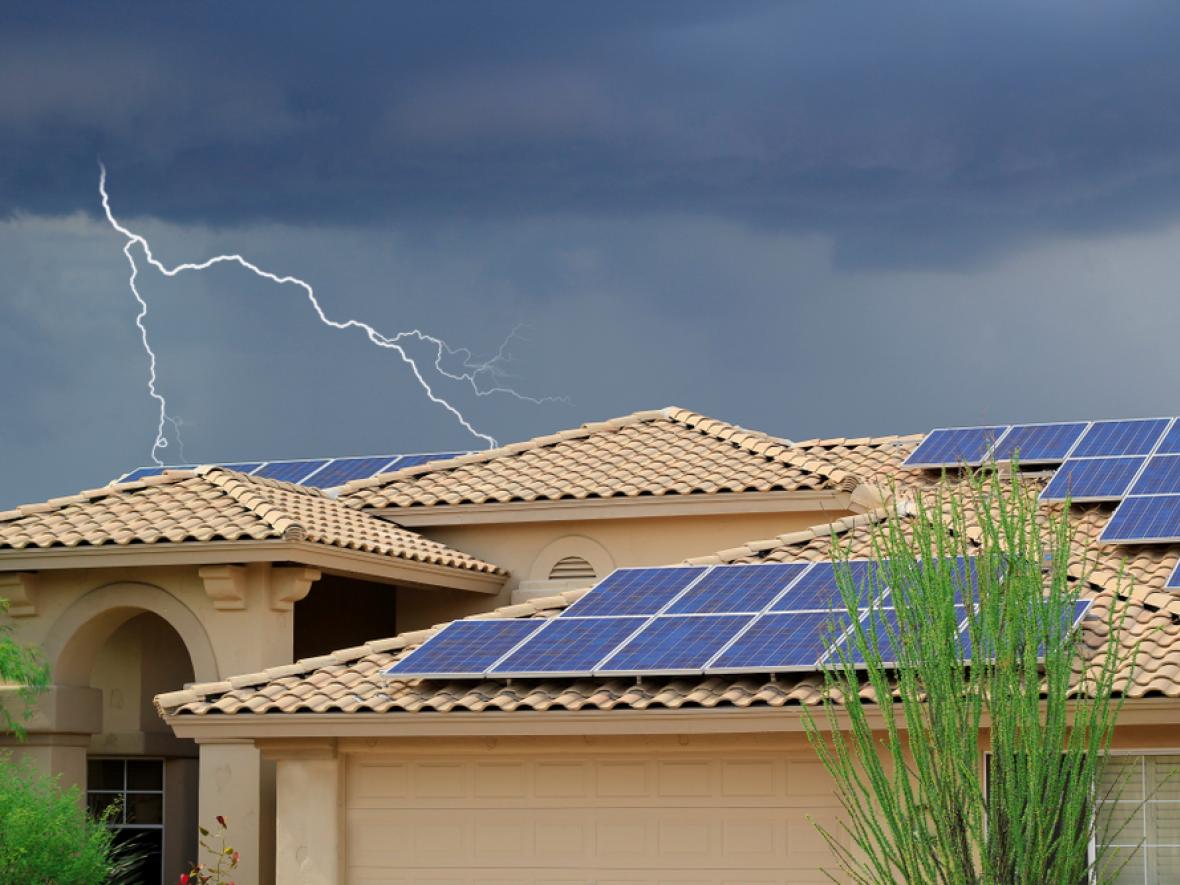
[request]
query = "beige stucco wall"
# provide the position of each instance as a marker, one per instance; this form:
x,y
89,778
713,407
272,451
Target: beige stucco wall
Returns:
x,y
529,549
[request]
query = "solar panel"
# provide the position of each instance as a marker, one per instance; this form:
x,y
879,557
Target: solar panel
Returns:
x,y
414,460
952,446
1039,443
1144,520
818,589
1161,476
1170,444
781,642
737,588
1092,479
1079,610
342,470
675,644
1174,579
961,570
639,591
568,647
464,649
290,471
1138,437
879,626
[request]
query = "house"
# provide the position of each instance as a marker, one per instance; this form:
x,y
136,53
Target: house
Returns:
x,y
260,616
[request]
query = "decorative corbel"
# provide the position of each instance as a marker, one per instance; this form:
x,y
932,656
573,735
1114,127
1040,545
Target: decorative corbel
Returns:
x,y
226,586
289,585
20,589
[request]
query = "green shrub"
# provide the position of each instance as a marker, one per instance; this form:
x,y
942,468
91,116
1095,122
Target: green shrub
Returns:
x,y
46,837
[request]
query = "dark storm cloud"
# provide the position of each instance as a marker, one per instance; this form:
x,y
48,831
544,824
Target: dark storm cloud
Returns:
x,y
921,133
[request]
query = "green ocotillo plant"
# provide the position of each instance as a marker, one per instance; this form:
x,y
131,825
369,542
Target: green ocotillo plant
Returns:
x,y
969,754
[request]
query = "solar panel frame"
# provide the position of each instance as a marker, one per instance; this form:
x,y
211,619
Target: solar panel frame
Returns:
x,y
1063,439
556,631
1107,478
664,639
1144,519
707,595
599,602
934,449
504,635
1122,436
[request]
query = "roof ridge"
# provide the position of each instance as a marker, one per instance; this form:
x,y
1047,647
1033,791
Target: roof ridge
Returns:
x,y
752,441
586,429
303,666
247,492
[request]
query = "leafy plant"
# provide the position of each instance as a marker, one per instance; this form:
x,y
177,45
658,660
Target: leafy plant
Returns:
x,y
227,859
46,838
22,666
964,761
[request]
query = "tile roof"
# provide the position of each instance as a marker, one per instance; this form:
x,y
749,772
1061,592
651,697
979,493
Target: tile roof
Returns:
x,y
667,452
350,681
216,504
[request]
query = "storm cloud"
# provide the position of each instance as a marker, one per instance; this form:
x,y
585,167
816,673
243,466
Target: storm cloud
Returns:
x,y
809,218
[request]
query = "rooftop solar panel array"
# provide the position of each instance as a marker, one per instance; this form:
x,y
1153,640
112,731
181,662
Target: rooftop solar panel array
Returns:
x,y
771,617
320,473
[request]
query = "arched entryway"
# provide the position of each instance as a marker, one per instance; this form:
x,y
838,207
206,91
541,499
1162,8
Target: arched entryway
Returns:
x,y
130,642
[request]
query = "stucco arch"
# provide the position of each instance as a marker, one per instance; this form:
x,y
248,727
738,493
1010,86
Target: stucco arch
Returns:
x,y
83,628
571,545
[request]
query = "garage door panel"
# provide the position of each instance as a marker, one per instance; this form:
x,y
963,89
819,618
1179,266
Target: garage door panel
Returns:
x,y
610,820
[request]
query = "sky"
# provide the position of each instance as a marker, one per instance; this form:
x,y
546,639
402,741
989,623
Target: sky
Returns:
x,y
806,218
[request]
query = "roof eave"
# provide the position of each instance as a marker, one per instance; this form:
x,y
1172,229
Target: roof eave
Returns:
x,y
332,560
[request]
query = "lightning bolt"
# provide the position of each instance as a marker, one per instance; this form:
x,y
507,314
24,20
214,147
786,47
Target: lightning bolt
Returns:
x,y
469,371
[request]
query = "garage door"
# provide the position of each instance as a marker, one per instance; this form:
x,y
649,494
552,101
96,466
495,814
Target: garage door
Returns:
x,y
666,816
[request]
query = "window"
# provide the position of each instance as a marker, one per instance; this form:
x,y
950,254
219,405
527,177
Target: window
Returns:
x,y
572,568
1150,836
138,786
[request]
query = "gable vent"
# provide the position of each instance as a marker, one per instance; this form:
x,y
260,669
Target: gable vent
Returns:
x,y
572,568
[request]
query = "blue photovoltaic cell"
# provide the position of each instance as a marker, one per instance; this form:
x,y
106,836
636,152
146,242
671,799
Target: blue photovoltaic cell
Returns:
x,y
1079,609
344,470
414,460
289,471
962,572
640,591
1171,441
737,588
672,644
1039,443
1120,438
1092,479
1161,476
879,626
1144,520
465,648
783,641
244,467
953,446
571,646
818,590
1174,579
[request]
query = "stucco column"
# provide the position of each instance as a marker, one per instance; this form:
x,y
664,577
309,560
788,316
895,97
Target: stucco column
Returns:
x,y
309,815
59,725
236,783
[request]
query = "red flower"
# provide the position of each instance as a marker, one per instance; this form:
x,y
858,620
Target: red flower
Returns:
x,y
184,879
221,821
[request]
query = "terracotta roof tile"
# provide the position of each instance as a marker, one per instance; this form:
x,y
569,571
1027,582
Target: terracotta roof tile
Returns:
x,y
355,684
667,452
216,504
